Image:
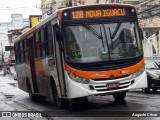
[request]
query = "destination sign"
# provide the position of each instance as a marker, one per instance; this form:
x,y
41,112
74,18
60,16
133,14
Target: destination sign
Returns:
x,y
98,13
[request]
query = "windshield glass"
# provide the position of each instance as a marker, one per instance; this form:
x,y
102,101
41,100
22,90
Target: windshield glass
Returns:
x,y
101,42
124,42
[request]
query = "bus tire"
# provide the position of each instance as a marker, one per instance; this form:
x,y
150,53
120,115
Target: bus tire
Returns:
x,y
154,90
41,99
60,102
119,97
79,102
32,96
145,90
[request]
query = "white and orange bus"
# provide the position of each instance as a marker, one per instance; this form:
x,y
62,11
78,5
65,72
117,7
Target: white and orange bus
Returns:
x,y
82,51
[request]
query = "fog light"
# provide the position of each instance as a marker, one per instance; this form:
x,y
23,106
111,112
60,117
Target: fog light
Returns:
x,y
132,81
91,87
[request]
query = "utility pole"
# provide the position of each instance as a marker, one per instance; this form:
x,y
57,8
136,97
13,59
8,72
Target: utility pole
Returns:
x,y
3,62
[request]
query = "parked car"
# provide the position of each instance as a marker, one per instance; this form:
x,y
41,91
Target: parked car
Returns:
x,y
153,76
158,63
15,75
13,72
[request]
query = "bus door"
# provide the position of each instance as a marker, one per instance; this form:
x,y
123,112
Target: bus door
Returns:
x,y
59,65
32,64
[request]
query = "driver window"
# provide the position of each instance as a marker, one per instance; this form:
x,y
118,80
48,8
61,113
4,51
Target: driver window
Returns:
x,y
72,46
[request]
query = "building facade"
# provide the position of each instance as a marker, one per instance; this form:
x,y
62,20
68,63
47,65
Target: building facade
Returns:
x,y
17,22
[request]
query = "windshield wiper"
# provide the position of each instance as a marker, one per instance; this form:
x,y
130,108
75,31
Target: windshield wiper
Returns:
x,y
111,37
116,29
114,33
95,33
92,30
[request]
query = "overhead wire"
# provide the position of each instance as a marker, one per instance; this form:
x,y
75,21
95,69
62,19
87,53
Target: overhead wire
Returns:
x,y
149,12
149,9
8,8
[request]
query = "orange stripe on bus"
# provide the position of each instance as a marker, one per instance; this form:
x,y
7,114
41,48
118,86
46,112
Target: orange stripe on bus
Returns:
x,y
106,74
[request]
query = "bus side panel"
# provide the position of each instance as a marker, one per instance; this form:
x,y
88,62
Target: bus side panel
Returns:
x,y
42,77
19,77
23,72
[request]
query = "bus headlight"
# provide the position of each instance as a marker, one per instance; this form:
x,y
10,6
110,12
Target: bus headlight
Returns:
x,y
134,75
77,79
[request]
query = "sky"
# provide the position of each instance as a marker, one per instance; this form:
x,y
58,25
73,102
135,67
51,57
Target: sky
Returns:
x,y
8,7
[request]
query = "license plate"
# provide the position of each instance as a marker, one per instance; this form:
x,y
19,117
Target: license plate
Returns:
x,y
112,85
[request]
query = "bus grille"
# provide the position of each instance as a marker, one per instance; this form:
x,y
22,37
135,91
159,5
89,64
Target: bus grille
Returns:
x,y
103,87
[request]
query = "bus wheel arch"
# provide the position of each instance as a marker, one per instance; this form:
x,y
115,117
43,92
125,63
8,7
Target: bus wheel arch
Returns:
x,y
61,102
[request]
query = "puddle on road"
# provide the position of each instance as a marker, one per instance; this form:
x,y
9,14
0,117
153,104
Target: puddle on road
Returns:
x,y
9,96
9,102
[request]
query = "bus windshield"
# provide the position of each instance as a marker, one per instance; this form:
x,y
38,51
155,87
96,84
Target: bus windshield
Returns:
x,y
113,41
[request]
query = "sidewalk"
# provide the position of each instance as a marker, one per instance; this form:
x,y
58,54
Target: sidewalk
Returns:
x,y
9,95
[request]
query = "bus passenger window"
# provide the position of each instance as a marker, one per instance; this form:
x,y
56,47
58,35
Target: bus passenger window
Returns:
x,y
46,41
42,43
21,51
16,52
19,55
24,57
50,40
37,48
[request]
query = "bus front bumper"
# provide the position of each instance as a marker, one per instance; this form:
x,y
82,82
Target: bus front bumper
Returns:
x,y
99,87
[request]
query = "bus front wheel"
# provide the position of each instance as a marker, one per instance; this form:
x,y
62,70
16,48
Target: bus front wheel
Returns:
x,y
119,97
145,90
61,102
154,90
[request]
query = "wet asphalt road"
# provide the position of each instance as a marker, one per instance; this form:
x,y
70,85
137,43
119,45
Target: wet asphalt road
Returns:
x,y
99,107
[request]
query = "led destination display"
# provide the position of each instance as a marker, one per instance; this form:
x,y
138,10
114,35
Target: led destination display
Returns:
x,y
80,13
98,13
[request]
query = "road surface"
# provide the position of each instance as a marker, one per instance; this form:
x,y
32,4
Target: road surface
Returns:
x,y
136,103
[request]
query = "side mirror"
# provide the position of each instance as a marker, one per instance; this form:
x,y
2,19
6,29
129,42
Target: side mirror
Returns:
x,y
140,33
59,38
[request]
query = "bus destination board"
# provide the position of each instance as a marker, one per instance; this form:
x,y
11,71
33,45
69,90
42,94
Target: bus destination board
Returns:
x,y
98,13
